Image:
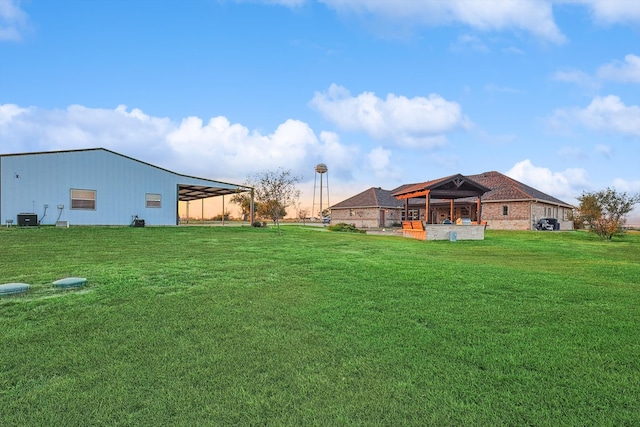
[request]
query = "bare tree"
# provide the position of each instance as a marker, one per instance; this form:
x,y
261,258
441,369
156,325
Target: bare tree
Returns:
x,y
604,211
274,191
303,214
244,201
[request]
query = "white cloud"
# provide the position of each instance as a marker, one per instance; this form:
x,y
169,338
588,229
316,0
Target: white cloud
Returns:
x,y
533,16
604,150
577,77
627,71
621,71
341,158
609,113
234,147
572,153
606,114
471,42
9,111
380,163
415,122
565,185
631,188
13,20
611,11
627,186
216,149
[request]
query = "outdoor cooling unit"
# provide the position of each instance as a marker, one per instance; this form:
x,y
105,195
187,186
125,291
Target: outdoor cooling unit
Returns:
x,y
27,220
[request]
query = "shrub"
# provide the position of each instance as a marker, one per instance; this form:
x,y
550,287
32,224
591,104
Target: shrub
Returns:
x,y
344,227
258,224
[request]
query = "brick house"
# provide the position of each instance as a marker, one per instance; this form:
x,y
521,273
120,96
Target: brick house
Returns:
x,y
373,208
512,205
507,205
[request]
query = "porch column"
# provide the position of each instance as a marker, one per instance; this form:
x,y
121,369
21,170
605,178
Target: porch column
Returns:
x,y
427,214
479,210
406,209
451,210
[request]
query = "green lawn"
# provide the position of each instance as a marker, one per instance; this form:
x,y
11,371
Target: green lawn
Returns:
x,y
199,326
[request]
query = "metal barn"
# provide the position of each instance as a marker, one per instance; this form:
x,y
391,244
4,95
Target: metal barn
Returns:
x,y
95,187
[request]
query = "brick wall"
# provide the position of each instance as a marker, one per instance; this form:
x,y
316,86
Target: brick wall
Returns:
x,y
523,215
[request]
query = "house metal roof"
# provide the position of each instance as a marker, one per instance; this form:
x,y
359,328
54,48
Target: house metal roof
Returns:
x,y
186,191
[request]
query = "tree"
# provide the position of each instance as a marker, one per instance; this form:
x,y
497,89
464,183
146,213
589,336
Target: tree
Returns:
x,y
604,211
303,214
244,201
274,191
272,210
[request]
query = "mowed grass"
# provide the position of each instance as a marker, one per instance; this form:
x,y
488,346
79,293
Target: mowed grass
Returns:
x,y
199,326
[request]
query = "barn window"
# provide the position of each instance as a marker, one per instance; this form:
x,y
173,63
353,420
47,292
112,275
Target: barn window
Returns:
x,y
505,210
153,200
83,199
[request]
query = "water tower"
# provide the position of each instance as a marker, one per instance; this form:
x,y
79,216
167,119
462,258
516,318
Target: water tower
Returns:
x,y
321,169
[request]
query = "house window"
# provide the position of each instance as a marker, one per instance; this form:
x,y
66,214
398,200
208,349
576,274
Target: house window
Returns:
x,y
352,212
505,210
83,199
153,200
413,215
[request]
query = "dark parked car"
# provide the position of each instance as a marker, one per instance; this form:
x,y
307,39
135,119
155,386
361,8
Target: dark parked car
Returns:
x,y
547,224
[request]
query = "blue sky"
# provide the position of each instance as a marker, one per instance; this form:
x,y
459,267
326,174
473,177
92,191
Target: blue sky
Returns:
x,y
384,93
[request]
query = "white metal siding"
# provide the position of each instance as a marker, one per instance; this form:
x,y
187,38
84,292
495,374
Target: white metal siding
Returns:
x,y
30,181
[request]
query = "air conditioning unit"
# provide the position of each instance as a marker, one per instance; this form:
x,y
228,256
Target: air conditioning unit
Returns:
x,y
27,220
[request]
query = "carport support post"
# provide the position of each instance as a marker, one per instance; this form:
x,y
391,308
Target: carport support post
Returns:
x,y
478,210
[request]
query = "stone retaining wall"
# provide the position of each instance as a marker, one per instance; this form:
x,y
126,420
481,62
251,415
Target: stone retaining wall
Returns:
x,y
443,232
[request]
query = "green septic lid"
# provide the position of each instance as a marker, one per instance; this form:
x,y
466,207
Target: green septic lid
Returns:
x,y
70,282
13,288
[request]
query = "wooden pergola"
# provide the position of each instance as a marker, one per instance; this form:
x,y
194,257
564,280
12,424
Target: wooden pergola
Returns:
x,y
449,188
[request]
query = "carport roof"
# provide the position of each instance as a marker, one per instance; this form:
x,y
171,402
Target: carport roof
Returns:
x,y
187,192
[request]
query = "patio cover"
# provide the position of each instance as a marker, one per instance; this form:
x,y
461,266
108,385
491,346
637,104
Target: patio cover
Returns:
x,y
450,187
